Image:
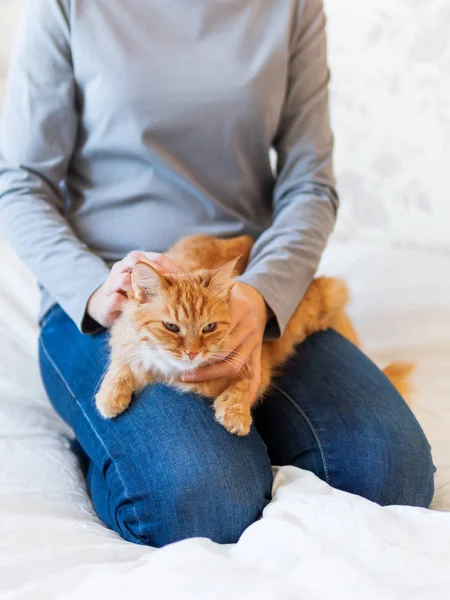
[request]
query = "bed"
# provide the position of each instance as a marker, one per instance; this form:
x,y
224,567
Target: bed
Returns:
x,y
312,542
392,245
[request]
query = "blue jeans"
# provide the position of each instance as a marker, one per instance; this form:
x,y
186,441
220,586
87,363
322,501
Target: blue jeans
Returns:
x,y
165,470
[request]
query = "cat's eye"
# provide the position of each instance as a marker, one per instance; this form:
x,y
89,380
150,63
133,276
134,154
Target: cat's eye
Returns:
x,y
209,328
171,327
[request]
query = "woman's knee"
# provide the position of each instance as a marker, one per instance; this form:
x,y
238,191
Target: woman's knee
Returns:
x,y
368,441
377,448
213,496
391,466
187,478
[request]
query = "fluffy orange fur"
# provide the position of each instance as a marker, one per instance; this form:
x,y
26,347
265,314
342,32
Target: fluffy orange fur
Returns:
x,y
175,323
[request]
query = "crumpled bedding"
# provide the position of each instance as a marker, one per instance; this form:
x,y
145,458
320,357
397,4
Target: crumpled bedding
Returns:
x,y
312,542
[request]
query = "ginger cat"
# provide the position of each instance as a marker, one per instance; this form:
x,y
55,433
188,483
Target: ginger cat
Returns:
x,y
175,323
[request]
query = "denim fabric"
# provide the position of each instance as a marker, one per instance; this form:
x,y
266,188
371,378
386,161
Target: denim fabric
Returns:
x,y
165,470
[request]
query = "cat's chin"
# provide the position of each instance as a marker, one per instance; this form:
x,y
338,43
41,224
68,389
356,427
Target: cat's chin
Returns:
x,y
182,366
167,363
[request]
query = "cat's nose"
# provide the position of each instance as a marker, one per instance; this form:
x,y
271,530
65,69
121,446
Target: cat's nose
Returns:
x,y
192,355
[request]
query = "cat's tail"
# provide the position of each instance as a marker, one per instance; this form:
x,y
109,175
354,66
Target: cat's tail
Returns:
x,y
399,374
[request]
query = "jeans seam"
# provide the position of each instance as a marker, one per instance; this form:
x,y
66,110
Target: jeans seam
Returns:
x,y
313,430
60,375
48,316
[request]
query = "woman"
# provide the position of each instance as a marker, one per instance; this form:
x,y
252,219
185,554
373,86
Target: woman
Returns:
x,y
129,124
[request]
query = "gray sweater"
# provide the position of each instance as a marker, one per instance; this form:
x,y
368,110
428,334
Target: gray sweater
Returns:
x,y
130,123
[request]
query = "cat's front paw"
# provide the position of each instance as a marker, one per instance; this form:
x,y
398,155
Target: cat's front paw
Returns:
x,y
112,401
235,417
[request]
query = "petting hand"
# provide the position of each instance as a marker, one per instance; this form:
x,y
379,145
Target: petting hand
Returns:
x,y
106,303
249,318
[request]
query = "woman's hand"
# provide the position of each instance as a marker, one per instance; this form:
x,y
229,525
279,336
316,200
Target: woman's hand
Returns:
x,y
106,303
249,318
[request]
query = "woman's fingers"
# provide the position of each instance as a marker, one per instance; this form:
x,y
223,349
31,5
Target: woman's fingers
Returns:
x,y
120,277
116,302
114,290
158,261
111,308
119,282
162,263
255,382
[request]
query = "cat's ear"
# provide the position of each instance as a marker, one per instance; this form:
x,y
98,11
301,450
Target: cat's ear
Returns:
x,y
222,279
147,282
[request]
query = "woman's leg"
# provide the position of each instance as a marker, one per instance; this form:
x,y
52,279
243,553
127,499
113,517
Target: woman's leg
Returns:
x,y
164,470
333,412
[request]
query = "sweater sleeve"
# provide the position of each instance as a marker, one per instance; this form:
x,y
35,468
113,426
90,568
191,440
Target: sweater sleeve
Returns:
x,y
38,131
286,256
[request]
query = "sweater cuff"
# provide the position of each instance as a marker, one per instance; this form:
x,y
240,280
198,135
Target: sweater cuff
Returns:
x,y
273,297
77,308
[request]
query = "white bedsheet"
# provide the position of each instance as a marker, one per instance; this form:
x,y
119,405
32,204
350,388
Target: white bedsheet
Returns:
x,y
312,542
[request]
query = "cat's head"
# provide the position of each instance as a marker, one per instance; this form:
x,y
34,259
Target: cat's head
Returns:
x,y
185,318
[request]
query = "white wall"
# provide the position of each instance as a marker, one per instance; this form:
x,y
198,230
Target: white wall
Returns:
x,y
9,13
391,112
390,62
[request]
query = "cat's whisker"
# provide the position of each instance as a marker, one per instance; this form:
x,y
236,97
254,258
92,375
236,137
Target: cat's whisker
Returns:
x,y
240,367
129,360
237,358
106,370
117,367
228,352
240,370
101,378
